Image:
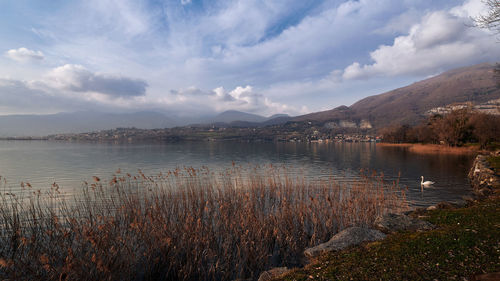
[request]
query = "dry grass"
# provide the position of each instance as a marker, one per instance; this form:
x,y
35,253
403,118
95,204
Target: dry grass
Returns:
x,y
433,148
191,224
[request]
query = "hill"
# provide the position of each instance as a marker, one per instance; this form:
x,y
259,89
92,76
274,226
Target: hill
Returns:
x,y
408,105
233,115
234,118
41,125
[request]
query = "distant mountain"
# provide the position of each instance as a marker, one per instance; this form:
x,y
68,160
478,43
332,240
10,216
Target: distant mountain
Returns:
x,y
41,125
242,119
275,116
233,115
276,119
409,105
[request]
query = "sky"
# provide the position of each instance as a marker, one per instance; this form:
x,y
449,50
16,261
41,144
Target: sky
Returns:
x,y
201,57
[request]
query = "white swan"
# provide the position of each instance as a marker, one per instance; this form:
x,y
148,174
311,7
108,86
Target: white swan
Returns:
x,y
426,183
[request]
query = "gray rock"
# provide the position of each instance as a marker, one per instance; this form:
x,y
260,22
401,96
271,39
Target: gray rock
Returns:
x,y
348,237
272,273
468,199
430,208
483,176
445,205
391,223
461,203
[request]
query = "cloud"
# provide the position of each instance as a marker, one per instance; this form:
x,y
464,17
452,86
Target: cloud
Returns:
x,y
127,17
219,99
77,78
18,97
24,55
286,51
441,40
185,2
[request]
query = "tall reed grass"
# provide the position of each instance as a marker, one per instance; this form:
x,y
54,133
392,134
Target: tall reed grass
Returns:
x,y
189,224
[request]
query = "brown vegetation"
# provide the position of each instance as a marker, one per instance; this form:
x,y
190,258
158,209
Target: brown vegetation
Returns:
x,y
432,148
190,224
454,129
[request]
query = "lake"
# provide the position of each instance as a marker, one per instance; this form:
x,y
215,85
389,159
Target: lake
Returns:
x,y
42,163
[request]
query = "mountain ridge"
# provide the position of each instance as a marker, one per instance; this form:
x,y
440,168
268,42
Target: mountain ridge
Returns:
x,y
409,104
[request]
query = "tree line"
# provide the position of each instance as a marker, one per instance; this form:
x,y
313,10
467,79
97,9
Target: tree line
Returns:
x,y
454,129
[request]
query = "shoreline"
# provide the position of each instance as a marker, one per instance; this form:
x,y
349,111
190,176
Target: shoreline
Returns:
x,y
449,220
432,148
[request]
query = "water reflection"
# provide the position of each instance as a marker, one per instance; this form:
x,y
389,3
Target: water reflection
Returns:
x,y
69,164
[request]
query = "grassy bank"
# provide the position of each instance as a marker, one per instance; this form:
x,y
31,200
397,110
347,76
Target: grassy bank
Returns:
x,y
191,224
466,243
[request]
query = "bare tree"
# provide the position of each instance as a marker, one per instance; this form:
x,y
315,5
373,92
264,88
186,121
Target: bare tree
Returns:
x,y
491,20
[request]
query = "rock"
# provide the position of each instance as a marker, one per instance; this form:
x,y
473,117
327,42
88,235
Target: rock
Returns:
x,y
483,176
391,223
482,193
430,208
487,277
468,199
272,273
348,237
445,205
461,203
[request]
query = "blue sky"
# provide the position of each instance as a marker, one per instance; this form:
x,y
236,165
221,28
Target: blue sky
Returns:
x,y
201,57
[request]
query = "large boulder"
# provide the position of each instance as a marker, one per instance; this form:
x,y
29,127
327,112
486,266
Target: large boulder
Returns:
x,y
348,237
391,223
272,273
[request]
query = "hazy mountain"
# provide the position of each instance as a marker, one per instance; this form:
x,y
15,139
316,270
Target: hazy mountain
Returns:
x,y
233,115
277,119
409,104
275,116
242,119
41,125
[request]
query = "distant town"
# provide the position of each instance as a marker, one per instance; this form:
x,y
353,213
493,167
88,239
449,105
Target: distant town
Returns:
x,y
293,132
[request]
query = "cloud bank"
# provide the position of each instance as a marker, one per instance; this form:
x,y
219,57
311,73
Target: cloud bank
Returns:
x,y
441,40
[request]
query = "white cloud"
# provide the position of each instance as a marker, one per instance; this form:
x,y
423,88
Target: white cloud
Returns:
x,y
219,99
441,40
185,2
470,9
77,78
24,55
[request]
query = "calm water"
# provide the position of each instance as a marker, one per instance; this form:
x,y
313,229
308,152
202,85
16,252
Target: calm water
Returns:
x,y
69,164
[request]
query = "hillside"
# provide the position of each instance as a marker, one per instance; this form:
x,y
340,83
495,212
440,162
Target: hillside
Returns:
x,y
409,104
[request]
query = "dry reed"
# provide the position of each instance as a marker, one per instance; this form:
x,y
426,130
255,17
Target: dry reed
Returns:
x,y
189,224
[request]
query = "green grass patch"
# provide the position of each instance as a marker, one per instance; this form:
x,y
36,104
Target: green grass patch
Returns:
x,y
466,243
